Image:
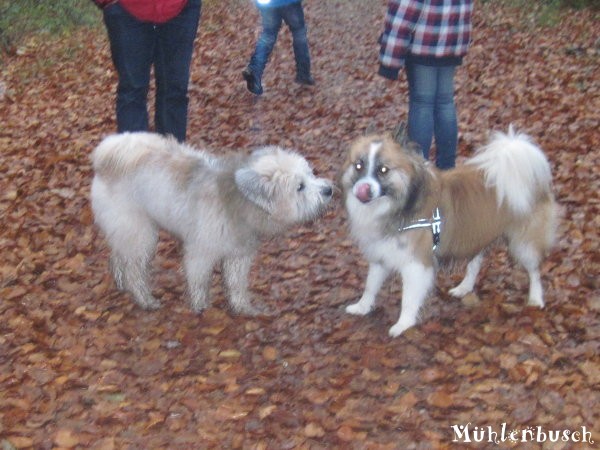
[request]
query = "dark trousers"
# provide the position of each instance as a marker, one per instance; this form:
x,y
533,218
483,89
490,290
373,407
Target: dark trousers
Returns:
x,y
136,46
272,19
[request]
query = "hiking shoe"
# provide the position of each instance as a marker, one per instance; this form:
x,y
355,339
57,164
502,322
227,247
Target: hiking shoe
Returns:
x,y
306,80
252,82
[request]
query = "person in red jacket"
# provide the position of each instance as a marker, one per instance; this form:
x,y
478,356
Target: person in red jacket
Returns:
x,y
146,33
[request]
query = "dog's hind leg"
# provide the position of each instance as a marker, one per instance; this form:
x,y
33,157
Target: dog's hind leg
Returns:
x,y
236,271
468,282
132,251
131,236
529,242
378,273
417,280
530,257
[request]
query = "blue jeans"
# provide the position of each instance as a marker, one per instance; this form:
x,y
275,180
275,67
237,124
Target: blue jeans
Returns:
x,y
272,18
136,46
431,111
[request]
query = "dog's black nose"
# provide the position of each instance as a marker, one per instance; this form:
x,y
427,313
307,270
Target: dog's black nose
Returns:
x,y
327,191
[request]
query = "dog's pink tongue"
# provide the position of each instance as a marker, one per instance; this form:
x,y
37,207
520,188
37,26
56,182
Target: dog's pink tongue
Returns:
x,y
363,192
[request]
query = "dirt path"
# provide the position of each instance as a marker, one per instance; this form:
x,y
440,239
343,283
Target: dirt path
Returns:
x,y
81,367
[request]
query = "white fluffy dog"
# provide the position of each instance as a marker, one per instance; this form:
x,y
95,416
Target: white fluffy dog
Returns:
x,y
220,209
407,216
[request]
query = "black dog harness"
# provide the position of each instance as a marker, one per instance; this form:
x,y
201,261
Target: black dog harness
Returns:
x,y
435,223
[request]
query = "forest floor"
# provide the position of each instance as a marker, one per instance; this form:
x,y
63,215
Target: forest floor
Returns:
x,y
82,367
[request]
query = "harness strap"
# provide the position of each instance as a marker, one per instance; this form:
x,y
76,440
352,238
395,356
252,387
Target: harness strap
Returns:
x,y
435,223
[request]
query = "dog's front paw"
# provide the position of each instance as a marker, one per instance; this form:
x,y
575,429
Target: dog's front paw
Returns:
x,y
149,305
536,302
198,308
247,309
199,300
459,291
198,305
358,309
400,327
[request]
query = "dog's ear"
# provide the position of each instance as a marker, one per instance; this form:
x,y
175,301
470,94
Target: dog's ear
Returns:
x,y
400,135
371,129
413,147
255,187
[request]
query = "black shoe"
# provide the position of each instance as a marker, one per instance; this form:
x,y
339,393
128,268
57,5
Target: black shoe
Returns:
x,y
252,83
307,80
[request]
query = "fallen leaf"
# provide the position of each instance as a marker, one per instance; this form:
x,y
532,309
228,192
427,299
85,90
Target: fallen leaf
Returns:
x,y
66,438
440,399
312,430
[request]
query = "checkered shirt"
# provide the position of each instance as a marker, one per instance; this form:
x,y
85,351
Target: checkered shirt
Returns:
x,y
430,28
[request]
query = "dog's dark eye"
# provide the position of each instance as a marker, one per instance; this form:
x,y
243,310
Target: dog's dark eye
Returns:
x,y
358,165
383,170
301,187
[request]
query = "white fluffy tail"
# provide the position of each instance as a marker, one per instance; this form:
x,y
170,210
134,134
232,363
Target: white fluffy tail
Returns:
x,y
119,154
517,168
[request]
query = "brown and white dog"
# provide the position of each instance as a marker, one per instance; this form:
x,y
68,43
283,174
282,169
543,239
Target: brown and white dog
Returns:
x,y
407,216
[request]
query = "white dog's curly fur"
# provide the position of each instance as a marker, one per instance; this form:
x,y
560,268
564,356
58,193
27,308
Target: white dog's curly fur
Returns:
x,y
220,209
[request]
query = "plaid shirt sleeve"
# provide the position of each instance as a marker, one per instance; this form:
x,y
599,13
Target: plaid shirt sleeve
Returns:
x,y
400,22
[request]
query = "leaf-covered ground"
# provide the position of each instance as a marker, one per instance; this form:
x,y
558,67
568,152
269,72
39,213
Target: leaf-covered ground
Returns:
x,y
82,367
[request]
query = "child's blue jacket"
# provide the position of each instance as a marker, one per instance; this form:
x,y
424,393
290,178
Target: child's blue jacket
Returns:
x,y
274,3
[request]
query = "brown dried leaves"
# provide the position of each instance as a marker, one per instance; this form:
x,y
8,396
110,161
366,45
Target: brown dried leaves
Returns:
x,y
82,367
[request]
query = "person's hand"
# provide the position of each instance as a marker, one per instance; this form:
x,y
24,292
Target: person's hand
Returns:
x,y
104,3
389,73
